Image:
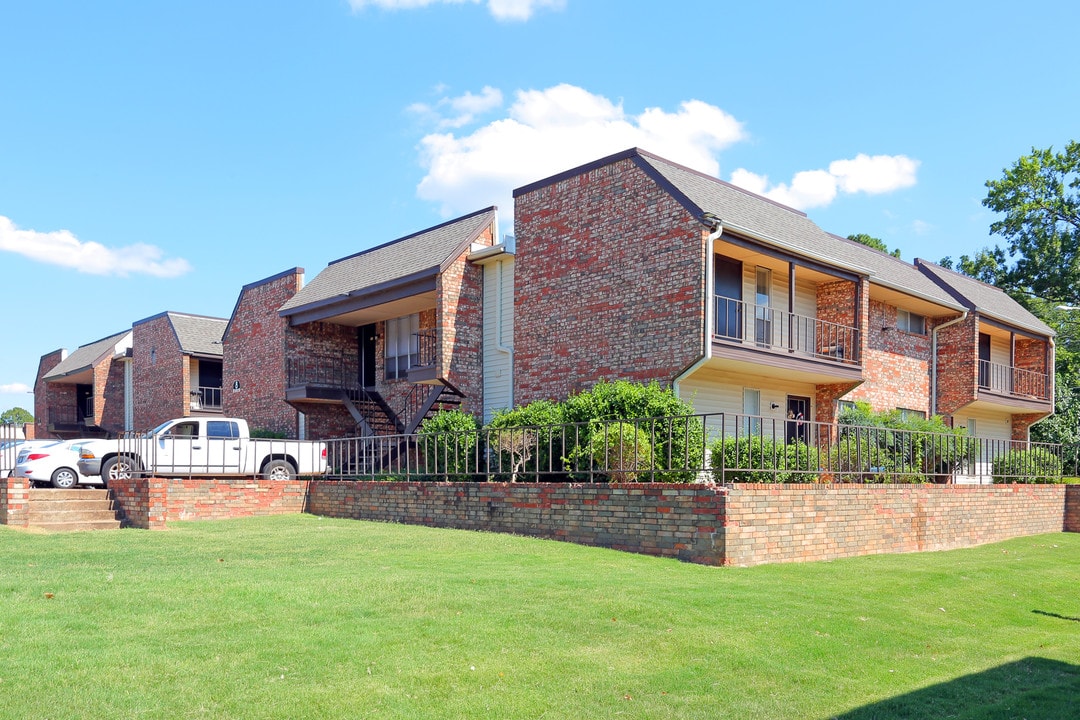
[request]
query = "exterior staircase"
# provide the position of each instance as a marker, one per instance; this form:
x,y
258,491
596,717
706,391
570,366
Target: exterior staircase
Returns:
x,y
67,510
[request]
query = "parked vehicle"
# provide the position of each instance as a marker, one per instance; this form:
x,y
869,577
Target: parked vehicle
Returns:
x,y
219,447
9,452
55,463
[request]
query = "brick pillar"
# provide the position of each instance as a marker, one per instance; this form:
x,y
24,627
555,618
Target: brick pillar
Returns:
x,y
15,502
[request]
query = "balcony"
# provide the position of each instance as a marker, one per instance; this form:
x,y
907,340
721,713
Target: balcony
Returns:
x,y
206,399
423,369
774,331
1013,381
320,378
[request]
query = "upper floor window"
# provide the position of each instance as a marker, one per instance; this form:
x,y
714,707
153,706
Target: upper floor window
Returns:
x,y
402,345
910,322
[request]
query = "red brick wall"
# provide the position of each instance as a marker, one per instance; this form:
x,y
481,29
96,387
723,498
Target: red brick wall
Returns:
x,y
109,390
460,327
160,375
14,502
790,523
254,355
958,365
608,280
896,365
681,521
48,395
325,340
152,503
1072,508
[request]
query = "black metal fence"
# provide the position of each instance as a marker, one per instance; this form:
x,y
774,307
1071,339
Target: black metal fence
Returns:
x,y
721,447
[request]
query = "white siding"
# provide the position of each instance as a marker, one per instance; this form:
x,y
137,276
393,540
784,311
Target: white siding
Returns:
x,y
498,331
1000,351
712,391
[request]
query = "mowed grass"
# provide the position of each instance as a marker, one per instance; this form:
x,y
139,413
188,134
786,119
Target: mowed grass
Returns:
x,y
307,617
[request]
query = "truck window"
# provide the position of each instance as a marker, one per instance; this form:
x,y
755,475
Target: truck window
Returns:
x,y
184,430
222,429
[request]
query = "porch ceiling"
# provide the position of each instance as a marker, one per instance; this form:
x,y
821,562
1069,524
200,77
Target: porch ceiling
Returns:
x,y
990,403
908,302
85,376
356,317
749,256
731,359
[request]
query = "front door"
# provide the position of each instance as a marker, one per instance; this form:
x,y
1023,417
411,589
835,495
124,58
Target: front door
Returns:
x,y
798,424
728,288
368,355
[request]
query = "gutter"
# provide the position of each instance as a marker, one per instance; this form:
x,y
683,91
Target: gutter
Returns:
x,y
716,229
934,359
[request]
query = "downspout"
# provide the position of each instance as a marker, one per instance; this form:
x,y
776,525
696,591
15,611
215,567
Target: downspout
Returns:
x,y
934,358
509,351
716,229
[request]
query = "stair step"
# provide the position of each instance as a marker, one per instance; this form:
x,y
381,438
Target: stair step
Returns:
x,y
68,510
76,525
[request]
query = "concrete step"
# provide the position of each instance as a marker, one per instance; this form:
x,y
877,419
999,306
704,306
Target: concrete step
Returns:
x,y
69,510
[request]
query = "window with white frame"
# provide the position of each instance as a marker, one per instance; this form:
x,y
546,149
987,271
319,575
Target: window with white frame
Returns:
x,y
909,414
402,345
843,406
910,322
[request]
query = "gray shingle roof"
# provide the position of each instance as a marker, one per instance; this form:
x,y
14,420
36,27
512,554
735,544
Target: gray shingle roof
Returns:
x,y
421,253
198,335
87,355
739,209
986,299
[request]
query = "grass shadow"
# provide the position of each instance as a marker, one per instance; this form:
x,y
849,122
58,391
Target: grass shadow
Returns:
x,y
1033,688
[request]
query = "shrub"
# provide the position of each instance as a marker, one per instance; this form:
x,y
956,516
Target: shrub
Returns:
x,y
620,450
527,441
1036,465
676,437
450,443
758,459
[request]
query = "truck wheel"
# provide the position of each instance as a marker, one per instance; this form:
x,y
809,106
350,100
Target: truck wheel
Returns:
x,y
64,478
279,470
119,468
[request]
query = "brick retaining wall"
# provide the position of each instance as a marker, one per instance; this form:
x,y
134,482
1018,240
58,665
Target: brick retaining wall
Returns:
x,y
151,503
790,523
14,502
681,521
1072,508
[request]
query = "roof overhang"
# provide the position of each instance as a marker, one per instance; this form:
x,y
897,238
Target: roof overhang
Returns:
x,y
394,298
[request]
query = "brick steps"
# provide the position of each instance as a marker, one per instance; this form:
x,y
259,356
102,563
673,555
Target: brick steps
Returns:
x,y
69,510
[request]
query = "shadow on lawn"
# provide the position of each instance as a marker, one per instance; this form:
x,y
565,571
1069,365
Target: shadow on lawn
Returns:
x,y
1033,688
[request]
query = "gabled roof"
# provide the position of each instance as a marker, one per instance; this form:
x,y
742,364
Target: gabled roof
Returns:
x,y
987,300
743,213
198,335
422,255
195,334
89,355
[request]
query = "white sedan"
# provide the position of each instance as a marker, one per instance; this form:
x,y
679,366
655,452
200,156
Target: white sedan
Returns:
x,y
56,464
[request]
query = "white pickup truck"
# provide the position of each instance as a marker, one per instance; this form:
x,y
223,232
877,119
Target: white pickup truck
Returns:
x,y
219,447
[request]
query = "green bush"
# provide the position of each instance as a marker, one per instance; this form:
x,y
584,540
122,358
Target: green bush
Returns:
x,y
1036,465
757,459
676,437
450,444
527,442
621,451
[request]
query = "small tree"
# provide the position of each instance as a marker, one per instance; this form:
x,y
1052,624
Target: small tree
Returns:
x,y
620,450
16,416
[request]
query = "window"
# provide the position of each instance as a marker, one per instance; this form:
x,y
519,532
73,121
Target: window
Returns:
x,y
908,414
762,299
910,322
971,429
843,406
222,429
402,345
751,405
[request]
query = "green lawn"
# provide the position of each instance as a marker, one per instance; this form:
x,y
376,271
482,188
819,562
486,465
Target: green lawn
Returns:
x,y
301,616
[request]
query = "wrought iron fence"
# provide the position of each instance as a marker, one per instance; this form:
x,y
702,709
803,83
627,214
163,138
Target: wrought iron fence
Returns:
x,y
721,447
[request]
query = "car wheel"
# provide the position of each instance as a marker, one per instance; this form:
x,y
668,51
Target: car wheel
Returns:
x,y
279,470
119,468
64,478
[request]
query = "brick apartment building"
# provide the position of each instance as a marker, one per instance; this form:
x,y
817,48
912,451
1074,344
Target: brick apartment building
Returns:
x,y
635,267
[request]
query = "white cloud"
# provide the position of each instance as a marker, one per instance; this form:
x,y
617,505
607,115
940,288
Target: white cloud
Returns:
x,y
921,227
517,10
551,130
60,247
463,109
872,175
16,388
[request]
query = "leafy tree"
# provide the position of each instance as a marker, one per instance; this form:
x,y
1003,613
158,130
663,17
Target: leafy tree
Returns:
x,y
16,416
876,243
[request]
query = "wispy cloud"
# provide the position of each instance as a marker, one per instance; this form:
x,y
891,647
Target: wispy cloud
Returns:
x,y
15,388
868,174
463,109
502,10
61,247
546,131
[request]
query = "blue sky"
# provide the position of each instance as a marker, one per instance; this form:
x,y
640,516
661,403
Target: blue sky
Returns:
x,y
159,156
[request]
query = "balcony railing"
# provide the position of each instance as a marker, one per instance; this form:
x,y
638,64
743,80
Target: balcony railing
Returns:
x,y
1009,380
427,348
206,398
772,329
326,371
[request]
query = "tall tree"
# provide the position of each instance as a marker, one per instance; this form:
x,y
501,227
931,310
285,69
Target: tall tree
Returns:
x,y
15,416
1039,199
